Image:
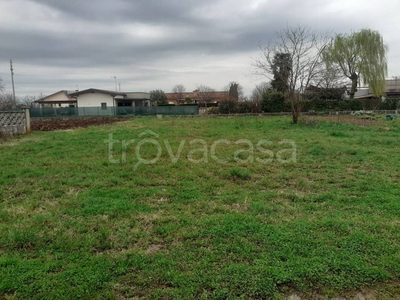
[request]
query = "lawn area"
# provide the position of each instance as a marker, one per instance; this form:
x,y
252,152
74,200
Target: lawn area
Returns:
x,y
218,208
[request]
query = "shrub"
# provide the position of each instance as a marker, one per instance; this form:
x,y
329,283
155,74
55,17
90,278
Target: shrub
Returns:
x,y
350,105
227,107
243,108
273,102
255,107
213,111
188,100
391,104
158,96
209,104
234,107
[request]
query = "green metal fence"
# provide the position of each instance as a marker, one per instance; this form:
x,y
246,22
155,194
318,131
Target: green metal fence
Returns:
x,y
113,111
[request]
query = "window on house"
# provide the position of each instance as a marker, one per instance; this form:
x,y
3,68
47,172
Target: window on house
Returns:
x,y
103,105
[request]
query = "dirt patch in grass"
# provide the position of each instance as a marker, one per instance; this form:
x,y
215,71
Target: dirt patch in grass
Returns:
x,y
390,290
10,142
348,119
64,124
154,248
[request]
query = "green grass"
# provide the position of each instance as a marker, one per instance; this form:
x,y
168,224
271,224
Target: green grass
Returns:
x,y
75,225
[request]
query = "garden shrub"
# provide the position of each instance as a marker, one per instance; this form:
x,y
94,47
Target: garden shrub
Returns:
x,y
273,102
227,107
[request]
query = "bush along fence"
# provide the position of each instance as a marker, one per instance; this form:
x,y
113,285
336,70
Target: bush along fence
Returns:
x,y
114,111
276,103
15,122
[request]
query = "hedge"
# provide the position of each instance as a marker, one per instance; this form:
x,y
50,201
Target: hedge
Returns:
x,y
275,102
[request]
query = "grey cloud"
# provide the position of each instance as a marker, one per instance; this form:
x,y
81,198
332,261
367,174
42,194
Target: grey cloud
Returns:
x,y
156,12
91,35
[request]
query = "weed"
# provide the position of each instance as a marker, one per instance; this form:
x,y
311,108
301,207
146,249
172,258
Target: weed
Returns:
x,y
239,173
338,134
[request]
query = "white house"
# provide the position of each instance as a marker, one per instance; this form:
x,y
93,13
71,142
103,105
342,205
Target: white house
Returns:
x,y
58,99
94,98
392,90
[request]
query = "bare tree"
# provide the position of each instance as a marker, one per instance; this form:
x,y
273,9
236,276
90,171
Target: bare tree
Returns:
x,y
27,100
329,84
260,90
179,89
304,47
330,78
6,101
206,94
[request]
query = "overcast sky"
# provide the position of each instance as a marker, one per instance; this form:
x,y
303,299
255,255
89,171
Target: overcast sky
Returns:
x,y
155,44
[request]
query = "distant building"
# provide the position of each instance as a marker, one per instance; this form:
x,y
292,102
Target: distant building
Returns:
x,y
325,93
94,98
392,90
58,99
197,97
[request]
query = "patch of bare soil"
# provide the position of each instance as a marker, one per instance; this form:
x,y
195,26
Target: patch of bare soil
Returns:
x,y
64,123
384,291
348,119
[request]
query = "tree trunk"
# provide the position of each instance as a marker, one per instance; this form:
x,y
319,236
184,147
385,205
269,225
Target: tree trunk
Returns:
x,y
295,116
354,82
296,108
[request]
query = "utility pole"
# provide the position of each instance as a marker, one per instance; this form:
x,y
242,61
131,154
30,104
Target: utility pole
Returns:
x,y
12,80
115,77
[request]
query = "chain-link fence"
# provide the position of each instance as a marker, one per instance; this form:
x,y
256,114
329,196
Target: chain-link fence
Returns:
x,y
45,112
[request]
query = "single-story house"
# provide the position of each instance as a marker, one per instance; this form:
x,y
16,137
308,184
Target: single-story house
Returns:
x,y
58,99
94,98
392,90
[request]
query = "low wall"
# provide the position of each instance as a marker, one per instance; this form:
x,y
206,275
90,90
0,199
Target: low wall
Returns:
x,y
14,122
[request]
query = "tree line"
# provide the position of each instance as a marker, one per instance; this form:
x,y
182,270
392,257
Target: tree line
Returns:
x,y
300,60
300,65
306,69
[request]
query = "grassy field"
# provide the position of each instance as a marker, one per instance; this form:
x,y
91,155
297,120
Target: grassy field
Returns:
x,y
210,218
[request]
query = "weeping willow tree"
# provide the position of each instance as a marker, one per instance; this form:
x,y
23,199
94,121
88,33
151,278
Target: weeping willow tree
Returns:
x,y
360,55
